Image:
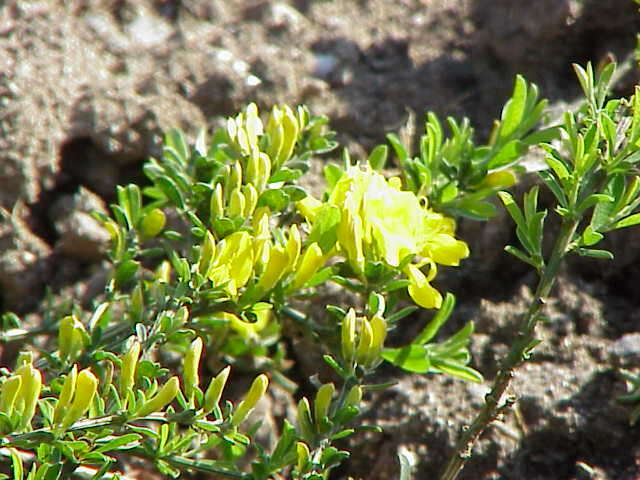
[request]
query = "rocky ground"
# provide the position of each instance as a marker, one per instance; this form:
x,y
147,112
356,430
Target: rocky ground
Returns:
x,y
88,86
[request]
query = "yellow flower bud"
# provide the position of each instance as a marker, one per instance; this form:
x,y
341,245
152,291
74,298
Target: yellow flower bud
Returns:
x,y
214,392
275,130
289,137
307,267
499,179
72,338
216,204
264,171
365,342
303,457
305,423
323,401
86,388
379,331
348,335
163,272
251,199
253,125
9,391
256,391
29,394
66,395
277,265
237,203
207,254
234,180
164,397
354,396
294,244
191,364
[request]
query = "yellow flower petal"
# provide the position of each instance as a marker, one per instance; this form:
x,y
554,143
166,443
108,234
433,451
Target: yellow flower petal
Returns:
x,y
421,290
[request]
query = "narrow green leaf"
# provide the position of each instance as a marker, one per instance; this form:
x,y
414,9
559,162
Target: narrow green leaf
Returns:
x,y
588,252
507,155
395,142
629,221
457,370
378,157
412,358
170,189
514,109
431,329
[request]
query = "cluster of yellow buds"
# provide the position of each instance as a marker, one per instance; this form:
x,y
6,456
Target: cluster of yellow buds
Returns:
x,y
72,338
381,222
248,265
246,131
20,393
362,339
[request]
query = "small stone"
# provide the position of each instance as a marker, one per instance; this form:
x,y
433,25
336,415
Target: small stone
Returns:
x,y
625,352
80,235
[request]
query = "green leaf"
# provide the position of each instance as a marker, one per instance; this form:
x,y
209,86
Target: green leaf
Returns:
x,y
601,254
513,209
475,209
629,221
170,189
378,157
431,329
554,186
412,358
295,192
457,370
123,442
590,237
16,464
332,173
514,109
125,272
176,140
559,167
325,227
399,149
399,315
507,155
275,198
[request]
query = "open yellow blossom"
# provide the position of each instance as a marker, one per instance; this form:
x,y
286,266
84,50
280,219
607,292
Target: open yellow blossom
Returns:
x,y
380,222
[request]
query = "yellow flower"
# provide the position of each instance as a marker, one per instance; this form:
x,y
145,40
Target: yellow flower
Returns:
x,y
380,222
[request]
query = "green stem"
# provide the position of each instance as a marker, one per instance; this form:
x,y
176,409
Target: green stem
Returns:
x,y
494,403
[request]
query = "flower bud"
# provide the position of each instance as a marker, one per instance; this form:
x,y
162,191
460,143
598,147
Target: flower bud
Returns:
x,y
128,369
214,392
365,342
348,335
277,265
305,424
275,131
216,203
29,394
379,331
256,391
251,199
237,203
86,388
307,267
499,179
164,397
72,338
207,254
191,364
294,244
289,137
323,401
163,272
9,391
234,181
264,171
354,397
66,395
303,457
